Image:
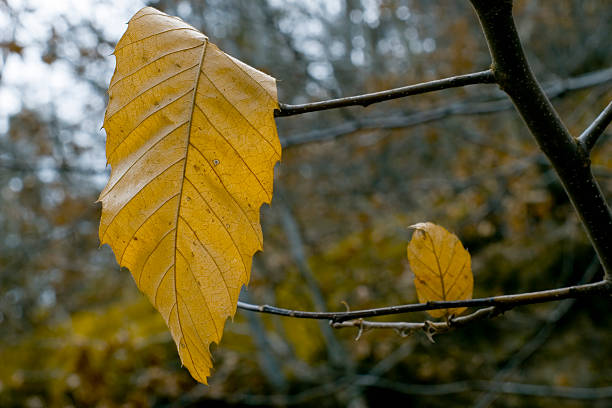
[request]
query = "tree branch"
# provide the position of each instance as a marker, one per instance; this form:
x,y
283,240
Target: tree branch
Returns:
x,y
529,348
567,156
499,103
483,77
502,302
430,328
589,137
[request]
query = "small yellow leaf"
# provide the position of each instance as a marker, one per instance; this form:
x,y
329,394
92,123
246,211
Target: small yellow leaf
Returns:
x,y
192,143
441,266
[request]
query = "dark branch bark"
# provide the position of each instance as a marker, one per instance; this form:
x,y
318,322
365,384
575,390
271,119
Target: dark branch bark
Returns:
x,y
569,159
589,137
461,108
483,77
504,302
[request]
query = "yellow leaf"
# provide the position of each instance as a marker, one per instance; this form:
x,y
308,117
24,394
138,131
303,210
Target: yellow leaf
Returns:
x,y
441,266
192,143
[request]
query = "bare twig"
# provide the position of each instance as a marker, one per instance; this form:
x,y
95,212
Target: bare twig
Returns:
x,y
589,137
502,302
430,328
483,77
499,103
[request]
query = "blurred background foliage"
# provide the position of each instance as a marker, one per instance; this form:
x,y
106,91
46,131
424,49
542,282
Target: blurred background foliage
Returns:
x,y
74,331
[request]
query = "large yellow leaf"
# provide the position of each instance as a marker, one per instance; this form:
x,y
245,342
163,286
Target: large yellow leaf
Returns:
x,y
441,267
192,143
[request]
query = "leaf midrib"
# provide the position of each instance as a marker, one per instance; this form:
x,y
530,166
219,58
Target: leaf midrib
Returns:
x,y
178,205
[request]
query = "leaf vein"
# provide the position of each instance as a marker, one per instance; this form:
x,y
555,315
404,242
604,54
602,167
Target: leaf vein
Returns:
x,y
249,75
173,265
220,222
199,290
457,277
193,89
145,118
140,157
435,294
144,91
235,151
156,34
178,317
437,258
144,264
423,263
124,206
141,225
240,113
205,248
150,62
195,328
229,194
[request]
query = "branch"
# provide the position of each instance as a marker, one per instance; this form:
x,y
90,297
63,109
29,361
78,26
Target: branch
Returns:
x,y
483,77
589,137
500,103
567,156
430,328
461,108
529,348
502,302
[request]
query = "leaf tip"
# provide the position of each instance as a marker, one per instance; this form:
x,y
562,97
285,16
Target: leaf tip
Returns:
x,y
421,226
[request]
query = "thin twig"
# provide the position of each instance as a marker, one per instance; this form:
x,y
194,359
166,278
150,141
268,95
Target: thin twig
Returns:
x,y
496,104
430,328
483,77
589,137
503,302
530,347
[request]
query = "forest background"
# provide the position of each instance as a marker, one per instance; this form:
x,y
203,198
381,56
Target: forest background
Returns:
x,y
75,331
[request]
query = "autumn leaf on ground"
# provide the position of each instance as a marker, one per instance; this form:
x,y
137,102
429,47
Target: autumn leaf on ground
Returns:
x,y
192,143
441,266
